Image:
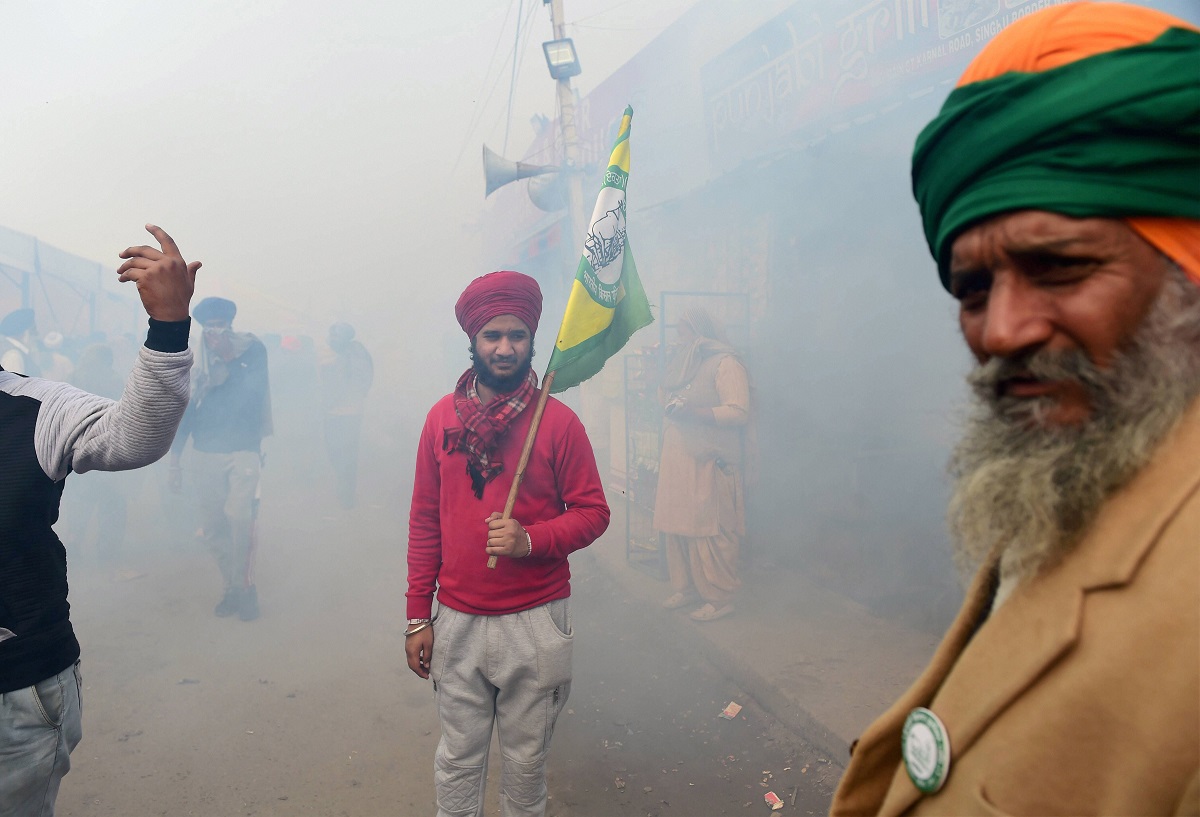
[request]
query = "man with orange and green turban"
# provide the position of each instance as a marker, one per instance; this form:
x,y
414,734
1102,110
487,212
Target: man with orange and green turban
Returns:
x,y
1060,192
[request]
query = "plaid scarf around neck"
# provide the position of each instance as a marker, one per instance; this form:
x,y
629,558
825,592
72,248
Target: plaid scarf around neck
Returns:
x,y
483,426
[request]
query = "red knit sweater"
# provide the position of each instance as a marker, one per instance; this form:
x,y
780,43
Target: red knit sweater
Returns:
x,y
561,505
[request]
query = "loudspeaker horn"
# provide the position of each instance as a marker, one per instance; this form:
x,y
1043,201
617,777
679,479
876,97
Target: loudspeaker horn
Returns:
x,y
549,192
498,171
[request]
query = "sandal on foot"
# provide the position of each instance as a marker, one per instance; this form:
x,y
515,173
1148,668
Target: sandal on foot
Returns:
x,y
710,613
679,600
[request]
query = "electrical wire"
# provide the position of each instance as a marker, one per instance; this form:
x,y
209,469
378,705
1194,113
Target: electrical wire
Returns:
x,y
523,50
512,83
525,43
679,9
616,28
480,101
606,11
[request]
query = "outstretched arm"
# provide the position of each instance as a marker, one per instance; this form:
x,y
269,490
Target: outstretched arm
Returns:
x,y
77,431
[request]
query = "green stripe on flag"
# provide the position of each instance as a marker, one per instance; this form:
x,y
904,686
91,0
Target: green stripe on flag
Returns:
x,y
577,364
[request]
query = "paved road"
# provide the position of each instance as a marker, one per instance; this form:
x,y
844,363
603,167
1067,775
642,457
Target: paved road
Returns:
x,y
644,734
311,711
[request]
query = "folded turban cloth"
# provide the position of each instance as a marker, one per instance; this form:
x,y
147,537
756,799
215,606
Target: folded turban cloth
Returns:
x,y
215,309
495,294
1084,109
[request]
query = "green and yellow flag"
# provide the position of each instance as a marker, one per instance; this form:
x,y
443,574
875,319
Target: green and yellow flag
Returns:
x,y
607,303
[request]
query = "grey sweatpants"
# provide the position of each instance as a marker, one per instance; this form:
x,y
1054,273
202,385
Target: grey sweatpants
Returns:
x,y
226,485
512,670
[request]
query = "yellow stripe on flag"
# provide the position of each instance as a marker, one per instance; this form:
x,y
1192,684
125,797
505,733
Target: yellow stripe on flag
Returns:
x,y
620,156
584,318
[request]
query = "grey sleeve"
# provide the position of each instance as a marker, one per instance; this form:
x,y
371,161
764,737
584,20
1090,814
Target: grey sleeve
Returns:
x,y
77,431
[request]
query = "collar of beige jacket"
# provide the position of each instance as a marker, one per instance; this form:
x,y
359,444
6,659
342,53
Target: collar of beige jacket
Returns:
x,y
876,758
1041,620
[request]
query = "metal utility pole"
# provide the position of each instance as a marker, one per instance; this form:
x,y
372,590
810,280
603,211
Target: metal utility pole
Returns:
x,y
566,120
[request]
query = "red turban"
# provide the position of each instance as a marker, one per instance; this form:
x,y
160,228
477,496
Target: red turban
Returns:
x,y
495,294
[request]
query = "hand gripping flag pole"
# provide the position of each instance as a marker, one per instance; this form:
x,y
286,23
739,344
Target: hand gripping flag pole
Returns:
x,y
607,303
525,451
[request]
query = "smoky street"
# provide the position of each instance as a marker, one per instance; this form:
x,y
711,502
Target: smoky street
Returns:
x,y
311,709
840,355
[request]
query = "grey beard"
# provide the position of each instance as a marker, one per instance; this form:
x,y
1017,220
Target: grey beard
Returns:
x,y
1028,491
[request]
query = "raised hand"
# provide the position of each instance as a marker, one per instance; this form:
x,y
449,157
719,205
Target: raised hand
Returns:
x,y
164,280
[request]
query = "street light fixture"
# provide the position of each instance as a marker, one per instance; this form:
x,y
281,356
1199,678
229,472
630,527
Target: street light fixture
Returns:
x,y
561,58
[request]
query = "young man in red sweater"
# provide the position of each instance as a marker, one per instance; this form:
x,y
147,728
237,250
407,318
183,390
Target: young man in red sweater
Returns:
x,y
503,635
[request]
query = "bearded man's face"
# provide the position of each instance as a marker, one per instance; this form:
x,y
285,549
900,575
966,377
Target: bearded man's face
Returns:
x,y
1031,280
502,353
1088,342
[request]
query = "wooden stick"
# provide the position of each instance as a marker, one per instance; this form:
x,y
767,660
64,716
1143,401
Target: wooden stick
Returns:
x,y
525,452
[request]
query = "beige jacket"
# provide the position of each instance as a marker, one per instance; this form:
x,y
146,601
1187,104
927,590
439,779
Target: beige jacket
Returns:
x,y
1081,694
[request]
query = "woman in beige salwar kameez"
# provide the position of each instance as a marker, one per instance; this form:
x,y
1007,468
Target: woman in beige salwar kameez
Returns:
x,y
700,504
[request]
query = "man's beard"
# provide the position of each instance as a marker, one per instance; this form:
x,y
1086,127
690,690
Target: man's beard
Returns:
x,y
501,385
1031,491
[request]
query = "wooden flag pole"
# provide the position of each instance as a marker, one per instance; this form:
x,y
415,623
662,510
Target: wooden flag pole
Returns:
x,y
525,452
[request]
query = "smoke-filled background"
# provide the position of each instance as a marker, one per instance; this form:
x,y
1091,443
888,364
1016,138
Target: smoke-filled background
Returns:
x,y
322,160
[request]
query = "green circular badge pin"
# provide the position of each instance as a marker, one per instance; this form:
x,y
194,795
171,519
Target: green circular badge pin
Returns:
x,y
925,745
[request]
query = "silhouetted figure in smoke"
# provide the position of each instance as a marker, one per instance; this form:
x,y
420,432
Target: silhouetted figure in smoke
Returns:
x,y
503,646
345,381
18,341
1058,192
297,402
700,504
228,418
49,430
